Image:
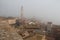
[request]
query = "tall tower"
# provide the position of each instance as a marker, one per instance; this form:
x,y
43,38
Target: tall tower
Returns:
x,y
21,13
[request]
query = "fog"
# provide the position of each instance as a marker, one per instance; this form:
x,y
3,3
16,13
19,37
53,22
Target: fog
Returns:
x,y
45,10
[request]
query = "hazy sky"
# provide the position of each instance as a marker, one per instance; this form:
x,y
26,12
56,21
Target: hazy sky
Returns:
x,y
47,10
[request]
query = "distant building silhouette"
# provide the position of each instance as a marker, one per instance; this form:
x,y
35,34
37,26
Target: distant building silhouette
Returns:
x,y
49,27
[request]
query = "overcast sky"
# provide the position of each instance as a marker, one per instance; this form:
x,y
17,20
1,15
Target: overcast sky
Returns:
x,y
47,10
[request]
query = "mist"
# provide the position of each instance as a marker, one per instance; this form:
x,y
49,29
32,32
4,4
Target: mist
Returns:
x,y
45,10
